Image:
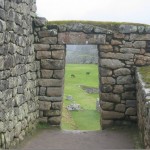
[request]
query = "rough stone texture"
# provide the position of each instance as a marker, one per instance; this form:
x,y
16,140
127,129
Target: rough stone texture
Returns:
x,y
143,112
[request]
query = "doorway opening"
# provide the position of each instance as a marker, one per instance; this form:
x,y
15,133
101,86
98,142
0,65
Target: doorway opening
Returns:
x,y
81,89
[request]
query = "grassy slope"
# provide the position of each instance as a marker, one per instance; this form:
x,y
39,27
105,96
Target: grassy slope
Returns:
x,y
88,118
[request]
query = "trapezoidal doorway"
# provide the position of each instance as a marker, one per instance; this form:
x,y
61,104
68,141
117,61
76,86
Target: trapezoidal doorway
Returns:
x,y
81,89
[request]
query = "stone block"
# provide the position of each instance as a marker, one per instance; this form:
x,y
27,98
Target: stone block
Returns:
x,y
129,96
120,108
106,123
43,55
106,88
57,47
50,82
46,74
48,40
131,103
110,115
52,64
54,91
116,42
44,105
118,89
127,28
119,36
139,44
109,97
52,113
139,37
105,48
52,98
40,21
81,38
108,80
47,33
56,105
130,87
106,105
60,54
17,129
111,63
42,91
105,72
122,71
1,63
58,74
125,79
43,120
130,50
41,47
54,120
131,111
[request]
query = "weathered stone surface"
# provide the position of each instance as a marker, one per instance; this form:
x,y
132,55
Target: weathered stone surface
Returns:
x,y
121,56
147,29
127,29
131,111
119,36
102,30
106,123
57,47
108,115
47,33
129,87
52,98
122,71
105,72
46,74
106,105
1,63
58,74
40,22
116,42
106,88
51,113
60,54
139,44
120,108
129,95
130,50
106,48
109,97
17,129
41,47
125,79
131,103
81,38
52,64
44,105
43,120
43,55
118,89
108,80
112,63
42,91
50,82
139,37
54,120
54,91
57,105
48,40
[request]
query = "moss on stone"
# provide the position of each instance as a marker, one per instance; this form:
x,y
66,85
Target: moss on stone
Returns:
x,y
145,72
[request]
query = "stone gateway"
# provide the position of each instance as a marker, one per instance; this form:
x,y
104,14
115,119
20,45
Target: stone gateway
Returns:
x,y
32,64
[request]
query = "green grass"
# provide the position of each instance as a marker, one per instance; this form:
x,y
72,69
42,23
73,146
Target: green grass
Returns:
x,y
88,118
145,72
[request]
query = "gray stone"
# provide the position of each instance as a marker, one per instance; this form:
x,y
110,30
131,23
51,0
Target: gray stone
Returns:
x,y
106,48
120,108
52,98
88,28
48,40
17,129
52,64
2,25
2,3
40,22
106,88
131,103
105,72
52,113
139,44
109,97
106,105
129,95
141,29
46,74
60,54
125,79
54,91
42,91
57,47
131,111
118,89
147,29
1,63
50,82
44,105
108,80
129,87
130,50
56,105
102,30
108,115
122,71
58,74
127,29
54,120
116,42
43,55
41,47
47,33
139,37
112,63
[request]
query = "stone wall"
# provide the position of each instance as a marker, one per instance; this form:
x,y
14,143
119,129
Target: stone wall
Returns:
x,y
120,51
143,107
18,98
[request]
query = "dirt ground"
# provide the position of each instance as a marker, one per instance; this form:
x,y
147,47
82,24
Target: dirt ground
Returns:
x,y
56,139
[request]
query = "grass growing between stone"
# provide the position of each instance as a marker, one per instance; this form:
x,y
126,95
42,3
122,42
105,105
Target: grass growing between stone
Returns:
x,y
87,118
